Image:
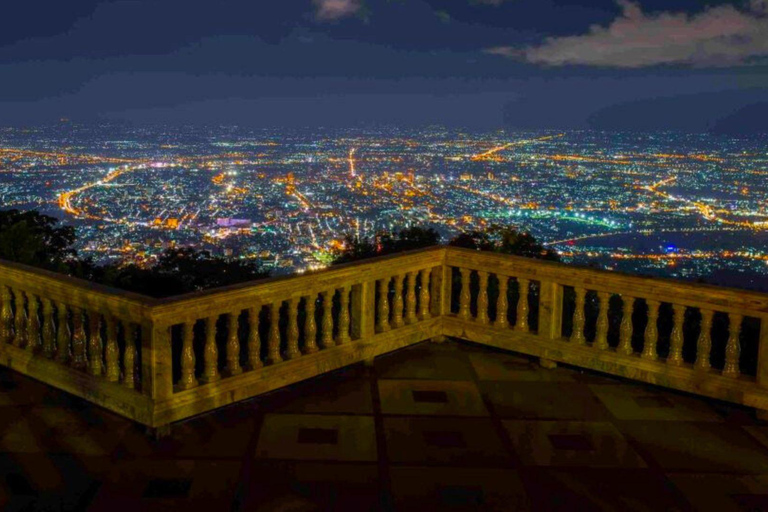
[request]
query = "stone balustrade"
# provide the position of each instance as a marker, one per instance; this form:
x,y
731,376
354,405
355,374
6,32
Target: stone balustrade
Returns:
x,y
160,361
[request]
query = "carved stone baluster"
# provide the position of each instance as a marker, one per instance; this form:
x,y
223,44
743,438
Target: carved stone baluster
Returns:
x,y
424,296
95,345
20,320
522,306
188,360
651,331
210,352
733,348
397,303
326,337
63,334
465,296
33,323
129,356
676,339
502,303
254,339
273,341
344,318
704,343
310,325
382,323
78,339
233,345
6,315
410,299
577,336
292,350
112,351
49,329
601,335
625,332
482,298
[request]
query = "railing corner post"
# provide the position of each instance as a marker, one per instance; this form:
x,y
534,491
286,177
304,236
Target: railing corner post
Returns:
x,y
363,310
156,361
551,310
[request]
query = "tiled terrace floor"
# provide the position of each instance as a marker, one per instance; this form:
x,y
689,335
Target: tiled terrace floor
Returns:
x,y
433,427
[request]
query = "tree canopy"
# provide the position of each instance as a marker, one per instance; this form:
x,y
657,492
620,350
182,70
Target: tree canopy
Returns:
x,y
407,239
37,240
506,240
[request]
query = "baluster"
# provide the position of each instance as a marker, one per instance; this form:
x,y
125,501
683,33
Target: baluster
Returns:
x,y
6,315
78,339
188,379
49,329
651,331
273,342
577,336
397,303
522,305
464,297
625,333
63,354
95,347
233,345
326,337
129,356
254,339
482,298
292,350
344,316
20,320
601,335
382,325
704,343
210,352
410,299
310,325
502,303
424,297
676,339
33,323
733,348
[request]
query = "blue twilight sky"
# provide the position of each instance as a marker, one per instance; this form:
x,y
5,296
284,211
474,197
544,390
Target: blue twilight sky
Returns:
x,y
687,64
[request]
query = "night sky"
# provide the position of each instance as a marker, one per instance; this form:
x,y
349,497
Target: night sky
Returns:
x,y
683,64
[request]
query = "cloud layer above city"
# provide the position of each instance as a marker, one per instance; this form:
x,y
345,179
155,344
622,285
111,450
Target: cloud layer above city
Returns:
x,y
719,36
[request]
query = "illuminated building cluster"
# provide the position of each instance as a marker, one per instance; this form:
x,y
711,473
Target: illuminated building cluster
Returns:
x,y
680,205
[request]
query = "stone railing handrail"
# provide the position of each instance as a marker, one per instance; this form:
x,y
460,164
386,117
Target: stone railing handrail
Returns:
x,y
162,360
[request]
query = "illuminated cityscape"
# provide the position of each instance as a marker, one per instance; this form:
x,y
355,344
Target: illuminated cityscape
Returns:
x,y
687,206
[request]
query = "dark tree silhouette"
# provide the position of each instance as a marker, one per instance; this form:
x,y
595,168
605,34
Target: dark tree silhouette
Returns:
x,y
406,239
505,239
35,239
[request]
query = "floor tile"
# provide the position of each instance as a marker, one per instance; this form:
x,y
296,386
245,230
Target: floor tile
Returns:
x,y
345,393
588,489
703,446
724,493
544,400
441,488
758,432
287,486
571,443
508,367
306,437
462,441
633,402
425,361
431,397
